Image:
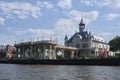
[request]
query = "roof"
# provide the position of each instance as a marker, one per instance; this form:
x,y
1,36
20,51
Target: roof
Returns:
x,y
70,40
83,35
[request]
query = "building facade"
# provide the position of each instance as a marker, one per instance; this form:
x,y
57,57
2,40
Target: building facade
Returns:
x,y
45,49
6,51
2,51
89,45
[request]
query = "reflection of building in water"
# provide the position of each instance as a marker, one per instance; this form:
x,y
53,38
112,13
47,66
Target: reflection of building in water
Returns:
x,y
88,45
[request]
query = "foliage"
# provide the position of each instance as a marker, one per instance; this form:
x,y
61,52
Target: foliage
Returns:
x,y
115,44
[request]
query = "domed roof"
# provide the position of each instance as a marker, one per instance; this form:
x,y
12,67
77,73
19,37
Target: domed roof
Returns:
x,y
78,35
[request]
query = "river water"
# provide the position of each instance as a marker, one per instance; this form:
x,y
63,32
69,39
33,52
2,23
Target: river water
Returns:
x,y
58,72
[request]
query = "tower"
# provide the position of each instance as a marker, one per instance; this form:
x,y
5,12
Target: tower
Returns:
x,y
81,26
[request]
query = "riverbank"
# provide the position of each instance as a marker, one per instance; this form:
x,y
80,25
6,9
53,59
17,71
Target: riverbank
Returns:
x,y
106,62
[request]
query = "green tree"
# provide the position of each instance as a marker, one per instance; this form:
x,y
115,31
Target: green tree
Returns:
x,y
115,44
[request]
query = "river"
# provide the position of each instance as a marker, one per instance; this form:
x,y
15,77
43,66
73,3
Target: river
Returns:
x,y
58,72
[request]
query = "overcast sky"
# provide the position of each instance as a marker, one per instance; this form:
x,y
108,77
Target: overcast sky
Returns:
x,y
37,19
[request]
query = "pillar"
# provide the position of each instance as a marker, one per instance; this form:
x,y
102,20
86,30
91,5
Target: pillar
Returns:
x,y
17,52
43,53
63,54
76,55
50,54
28,52
39,52
72,54
35,51
54,52
23,51
31,49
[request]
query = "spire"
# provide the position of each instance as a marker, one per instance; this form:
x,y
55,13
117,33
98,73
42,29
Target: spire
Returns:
x,y
81,26
66,38
89,35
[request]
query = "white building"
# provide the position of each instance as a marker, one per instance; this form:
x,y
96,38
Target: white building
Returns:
x,y
88,45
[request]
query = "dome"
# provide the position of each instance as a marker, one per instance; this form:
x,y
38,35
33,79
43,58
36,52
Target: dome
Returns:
x,y
78,35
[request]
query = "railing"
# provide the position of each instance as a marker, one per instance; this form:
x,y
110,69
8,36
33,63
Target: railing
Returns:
x,y
37,42
66,47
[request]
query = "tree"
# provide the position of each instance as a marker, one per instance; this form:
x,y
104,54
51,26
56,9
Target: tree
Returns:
x,y
115,44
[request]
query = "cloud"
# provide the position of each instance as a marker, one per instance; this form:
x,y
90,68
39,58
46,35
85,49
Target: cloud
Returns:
x,y
66,25
109,3
115,4
41,31
65,4
87,16
47,5
87,2
7,39
91,16
112,16
23,10
34,33
2,20
60,29
63,27
70,25
20,10
104,34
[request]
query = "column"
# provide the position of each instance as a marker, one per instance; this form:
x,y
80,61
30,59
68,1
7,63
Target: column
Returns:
x,y
50,54
35,51
19,52
23,52
16,52
76,55
43,53
38,52
63,54
72,54
54,52
31,51
27,52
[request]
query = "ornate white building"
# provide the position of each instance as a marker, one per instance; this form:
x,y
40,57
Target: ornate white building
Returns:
x,y
88,44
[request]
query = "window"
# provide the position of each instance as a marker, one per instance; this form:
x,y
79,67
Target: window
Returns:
x,y
77,45
85,45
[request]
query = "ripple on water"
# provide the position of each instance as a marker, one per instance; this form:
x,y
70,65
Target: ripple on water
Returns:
x,y
58,72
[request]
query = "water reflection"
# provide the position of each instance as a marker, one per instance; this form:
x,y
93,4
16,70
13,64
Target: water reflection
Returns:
x,y
58,72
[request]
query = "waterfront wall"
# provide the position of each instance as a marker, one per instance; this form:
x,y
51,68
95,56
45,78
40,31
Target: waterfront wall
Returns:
x,y
101,62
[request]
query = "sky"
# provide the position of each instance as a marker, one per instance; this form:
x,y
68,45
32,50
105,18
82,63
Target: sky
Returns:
x,y
32,20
